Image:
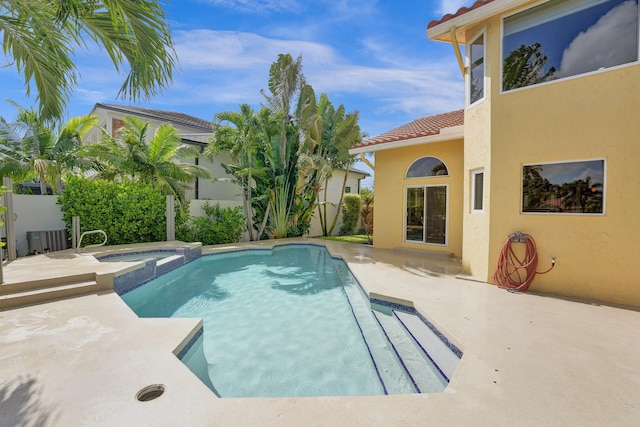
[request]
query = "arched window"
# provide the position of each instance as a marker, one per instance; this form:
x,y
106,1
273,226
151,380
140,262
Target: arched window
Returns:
x,y
427,166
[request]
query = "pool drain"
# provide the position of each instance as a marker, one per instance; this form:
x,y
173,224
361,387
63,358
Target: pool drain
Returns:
x,y
150,392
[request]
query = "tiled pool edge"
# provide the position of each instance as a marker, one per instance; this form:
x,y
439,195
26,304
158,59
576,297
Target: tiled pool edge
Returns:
x,y
187,346
131,280
411,310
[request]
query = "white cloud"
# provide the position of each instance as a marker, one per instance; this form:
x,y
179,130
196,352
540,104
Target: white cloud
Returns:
x,y
595,175
241,50
345,10
234,66
258,6
604,44
221,69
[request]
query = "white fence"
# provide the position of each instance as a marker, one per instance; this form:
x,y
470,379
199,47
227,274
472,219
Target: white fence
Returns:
x,y
33,213
42,213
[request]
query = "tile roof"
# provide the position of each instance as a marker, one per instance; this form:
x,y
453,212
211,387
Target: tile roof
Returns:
x,y
425,126
461,11
170,116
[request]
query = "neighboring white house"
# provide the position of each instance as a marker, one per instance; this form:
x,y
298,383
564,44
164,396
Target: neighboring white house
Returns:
x,y
194,131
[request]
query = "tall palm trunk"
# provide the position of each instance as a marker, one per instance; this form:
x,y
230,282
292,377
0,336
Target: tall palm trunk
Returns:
x,y
249,207
344,185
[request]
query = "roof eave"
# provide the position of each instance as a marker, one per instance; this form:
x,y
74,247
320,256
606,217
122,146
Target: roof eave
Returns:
x,y
127,112
446,134
442,32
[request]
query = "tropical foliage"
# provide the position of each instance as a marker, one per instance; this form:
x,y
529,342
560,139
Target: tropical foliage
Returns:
x,y
218,225
284,154
366,210
242,134
157,159
524,66
31,149
40,39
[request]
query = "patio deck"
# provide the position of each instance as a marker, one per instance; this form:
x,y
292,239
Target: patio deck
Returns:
x,y
528,359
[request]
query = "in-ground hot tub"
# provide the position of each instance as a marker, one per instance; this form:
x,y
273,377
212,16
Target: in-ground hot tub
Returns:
x,y
147,262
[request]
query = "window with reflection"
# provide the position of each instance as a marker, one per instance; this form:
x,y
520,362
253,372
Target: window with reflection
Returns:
x,y
427,166
476,70
569,187
563,38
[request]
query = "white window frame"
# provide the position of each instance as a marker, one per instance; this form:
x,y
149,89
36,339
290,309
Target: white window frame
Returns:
x,y
483,34
474,190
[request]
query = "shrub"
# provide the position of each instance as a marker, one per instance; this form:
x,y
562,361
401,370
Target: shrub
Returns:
x,y
350,213
219,225
129,212
366,211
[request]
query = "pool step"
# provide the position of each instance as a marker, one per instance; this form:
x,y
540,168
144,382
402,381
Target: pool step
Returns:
x,y
442,355
40,291
392,375
419,367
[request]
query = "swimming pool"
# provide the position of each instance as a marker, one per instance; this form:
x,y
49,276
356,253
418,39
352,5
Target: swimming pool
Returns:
x,y
291,321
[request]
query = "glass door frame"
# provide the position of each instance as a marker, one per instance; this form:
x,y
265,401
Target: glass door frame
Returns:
x,y
446,225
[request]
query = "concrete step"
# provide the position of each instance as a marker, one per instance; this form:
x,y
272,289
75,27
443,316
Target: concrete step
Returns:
x,y
443,357
30,285
425,376
37,293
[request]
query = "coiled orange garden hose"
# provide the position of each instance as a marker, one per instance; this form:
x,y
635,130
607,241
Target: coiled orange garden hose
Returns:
x,y
513,273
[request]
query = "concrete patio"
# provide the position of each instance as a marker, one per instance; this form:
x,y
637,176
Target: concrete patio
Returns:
x,y
529,360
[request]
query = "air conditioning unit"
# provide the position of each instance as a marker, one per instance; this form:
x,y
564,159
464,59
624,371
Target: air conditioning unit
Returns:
x,y
40,242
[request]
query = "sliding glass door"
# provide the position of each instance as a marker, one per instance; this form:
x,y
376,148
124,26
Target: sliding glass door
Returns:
x,y
426,214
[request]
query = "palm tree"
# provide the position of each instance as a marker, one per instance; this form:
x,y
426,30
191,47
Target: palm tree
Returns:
x,y
524,66
340,131
29,148
155,160
285,82
41,38
241,136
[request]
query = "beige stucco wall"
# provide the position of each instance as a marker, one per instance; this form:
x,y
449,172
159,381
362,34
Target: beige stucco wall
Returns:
x,y
390,184
586,117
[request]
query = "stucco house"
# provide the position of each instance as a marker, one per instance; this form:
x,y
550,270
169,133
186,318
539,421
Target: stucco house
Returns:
x,y
547,144
193,130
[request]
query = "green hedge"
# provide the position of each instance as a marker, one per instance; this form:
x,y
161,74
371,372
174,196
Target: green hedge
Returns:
x,y
219,225
350,213
129,212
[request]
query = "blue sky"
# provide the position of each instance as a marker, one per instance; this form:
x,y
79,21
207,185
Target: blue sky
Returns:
x,y
372,56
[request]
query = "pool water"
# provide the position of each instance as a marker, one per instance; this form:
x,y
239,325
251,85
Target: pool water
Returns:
x,y
277,323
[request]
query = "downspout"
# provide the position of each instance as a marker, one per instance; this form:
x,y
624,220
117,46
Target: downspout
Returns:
x,y
456,48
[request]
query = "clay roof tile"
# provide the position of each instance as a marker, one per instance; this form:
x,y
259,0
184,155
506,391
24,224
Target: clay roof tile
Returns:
x,y
424,126
461,11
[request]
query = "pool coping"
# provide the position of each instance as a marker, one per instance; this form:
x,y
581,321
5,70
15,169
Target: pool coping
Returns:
x,y
133,280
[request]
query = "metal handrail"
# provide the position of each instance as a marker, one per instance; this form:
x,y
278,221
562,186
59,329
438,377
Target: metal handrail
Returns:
x,y
80,249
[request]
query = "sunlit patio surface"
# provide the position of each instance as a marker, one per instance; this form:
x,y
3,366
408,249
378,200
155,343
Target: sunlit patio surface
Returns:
x,y
529,360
